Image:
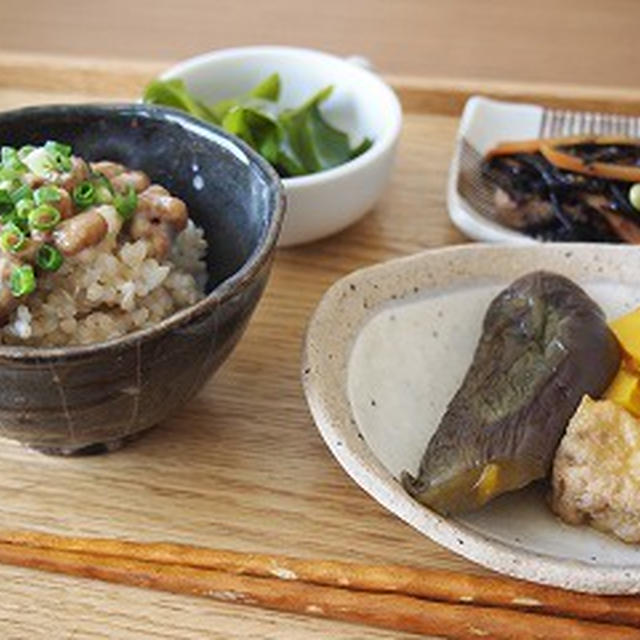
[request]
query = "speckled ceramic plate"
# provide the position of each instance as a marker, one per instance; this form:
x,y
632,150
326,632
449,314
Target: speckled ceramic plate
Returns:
x,y
386,349
484,124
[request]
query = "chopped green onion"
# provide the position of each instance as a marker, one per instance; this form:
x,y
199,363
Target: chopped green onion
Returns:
x,y
12,238
61,163
60,154
6,218
57,147
126,203
8,154
21,193
24,207
84,195
103,189
23,152
48,258
11,160
44,217
46,194
9,179
6,203
8,183
22,281
40,163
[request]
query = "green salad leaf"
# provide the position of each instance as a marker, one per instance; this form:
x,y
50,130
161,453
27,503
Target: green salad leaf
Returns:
x,y
317,144
296,142
173,93
267,91
256,128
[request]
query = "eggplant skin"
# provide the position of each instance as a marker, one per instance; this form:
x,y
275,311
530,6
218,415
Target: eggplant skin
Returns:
x,y
545,344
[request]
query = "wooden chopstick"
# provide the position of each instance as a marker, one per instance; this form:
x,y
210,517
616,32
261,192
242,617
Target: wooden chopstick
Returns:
x,y
382,596
433,584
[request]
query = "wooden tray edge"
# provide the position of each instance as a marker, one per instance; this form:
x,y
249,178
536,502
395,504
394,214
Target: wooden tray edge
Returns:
x,y
445,96
420,95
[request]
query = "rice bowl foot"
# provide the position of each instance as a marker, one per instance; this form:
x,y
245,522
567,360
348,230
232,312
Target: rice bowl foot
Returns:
x,y
94,449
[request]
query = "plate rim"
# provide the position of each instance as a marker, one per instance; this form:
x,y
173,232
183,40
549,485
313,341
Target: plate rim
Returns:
x,y
324,378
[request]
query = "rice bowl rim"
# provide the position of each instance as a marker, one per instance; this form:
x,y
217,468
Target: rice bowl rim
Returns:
x,y
229,287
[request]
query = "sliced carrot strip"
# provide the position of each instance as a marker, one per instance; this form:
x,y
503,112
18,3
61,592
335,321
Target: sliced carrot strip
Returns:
x,y
570,162
550,149
516,146
589,139
532,145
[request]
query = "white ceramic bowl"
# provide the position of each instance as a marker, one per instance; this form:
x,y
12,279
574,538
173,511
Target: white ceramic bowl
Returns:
x,y
361,104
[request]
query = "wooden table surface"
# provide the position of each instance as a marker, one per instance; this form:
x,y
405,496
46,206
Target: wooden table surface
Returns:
x,y
592,42
243,466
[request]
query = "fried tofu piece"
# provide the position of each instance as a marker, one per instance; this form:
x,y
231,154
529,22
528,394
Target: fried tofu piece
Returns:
x,y
596,470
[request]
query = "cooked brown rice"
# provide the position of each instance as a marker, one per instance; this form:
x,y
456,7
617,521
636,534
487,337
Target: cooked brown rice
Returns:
x,y
109,290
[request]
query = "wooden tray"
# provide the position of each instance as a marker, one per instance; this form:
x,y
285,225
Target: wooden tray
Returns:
x,y
243,466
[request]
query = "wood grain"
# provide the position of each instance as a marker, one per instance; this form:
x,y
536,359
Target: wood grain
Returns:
x,y
589,42
123,79
242,466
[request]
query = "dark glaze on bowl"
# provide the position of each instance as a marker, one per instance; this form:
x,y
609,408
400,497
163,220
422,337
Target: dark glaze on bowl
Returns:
x,y
87,399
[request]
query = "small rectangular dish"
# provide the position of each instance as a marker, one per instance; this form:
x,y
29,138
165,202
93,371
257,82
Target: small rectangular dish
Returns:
x,y
484,124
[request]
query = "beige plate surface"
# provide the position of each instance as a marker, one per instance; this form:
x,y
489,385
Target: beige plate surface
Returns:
x,y
385,351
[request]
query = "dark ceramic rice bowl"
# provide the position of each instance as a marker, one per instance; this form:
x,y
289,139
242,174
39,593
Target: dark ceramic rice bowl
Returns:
x,y
87,399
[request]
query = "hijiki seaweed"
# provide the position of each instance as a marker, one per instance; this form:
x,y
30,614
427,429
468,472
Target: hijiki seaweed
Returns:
x,y
567,189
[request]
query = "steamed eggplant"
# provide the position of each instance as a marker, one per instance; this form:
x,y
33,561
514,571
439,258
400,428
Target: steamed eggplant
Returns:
x,y
545,344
